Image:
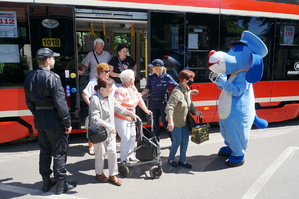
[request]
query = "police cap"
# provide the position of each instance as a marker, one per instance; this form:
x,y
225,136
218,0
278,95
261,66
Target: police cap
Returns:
x,y
44,53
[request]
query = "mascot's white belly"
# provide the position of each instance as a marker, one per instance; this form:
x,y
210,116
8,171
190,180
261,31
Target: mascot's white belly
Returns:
x,y
225,104
237,106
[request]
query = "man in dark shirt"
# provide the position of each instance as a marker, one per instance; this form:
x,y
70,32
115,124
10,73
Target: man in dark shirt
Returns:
x,y
45,98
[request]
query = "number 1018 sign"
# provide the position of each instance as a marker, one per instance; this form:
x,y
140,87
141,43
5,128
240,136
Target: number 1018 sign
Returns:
x,y
51,42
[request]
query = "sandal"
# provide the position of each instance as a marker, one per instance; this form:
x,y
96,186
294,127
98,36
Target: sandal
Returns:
x,y
115,180
102,178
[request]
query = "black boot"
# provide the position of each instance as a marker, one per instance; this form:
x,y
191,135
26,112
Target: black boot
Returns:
x,y
64,186
47,183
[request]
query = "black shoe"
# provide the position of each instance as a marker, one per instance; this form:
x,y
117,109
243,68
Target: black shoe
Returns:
x,y
47,183
173,163
64,186
186,165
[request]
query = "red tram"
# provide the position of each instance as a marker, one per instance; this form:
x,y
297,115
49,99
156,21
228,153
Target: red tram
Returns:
x,y
184,29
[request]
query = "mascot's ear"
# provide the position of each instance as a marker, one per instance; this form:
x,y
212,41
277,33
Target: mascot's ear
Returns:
x,y
255,71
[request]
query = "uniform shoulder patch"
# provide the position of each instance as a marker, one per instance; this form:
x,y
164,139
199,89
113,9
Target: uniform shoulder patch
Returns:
x,y
167,75
56,75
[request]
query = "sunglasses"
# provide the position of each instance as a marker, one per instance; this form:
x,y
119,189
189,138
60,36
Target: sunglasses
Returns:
x,y
107,71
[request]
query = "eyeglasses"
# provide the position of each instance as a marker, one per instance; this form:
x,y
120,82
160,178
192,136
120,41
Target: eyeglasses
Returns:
x,y
106,71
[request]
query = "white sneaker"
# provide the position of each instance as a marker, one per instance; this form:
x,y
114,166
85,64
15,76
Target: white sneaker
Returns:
x,y
91,151
132,159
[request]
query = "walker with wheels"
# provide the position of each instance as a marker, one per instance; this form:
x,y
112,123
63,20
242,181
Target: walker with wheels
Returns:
x,y
147,152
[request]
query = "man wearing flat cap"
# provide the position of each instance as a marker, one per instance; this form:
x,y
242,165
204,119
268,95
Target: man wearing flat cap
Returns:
x,y
45,98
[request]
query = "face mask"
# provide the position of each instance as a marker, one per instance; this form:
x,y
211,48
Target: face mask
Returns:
x,y
190,82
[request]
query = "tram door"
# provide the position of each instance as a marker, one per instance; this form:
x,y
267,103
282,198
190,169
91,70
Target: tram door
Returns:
x,y
113,27
53,27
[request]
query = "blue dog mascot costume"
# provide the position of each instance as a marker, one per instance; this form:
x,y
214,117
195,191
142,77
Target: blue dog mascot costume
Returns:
x,y
236,110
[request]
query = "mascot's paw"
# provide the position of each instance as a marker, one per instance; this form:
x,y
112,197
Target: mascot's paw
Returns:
x,y
212,76
235,161
221,79
225,151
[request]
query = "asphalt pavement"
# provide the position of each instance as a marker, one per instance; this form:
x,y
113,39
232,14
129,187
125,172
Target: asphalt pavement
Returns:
x,y
270,171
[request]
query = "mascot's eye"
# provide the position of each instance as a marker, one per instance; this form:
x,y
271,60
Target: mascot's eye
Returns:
x,y
232,49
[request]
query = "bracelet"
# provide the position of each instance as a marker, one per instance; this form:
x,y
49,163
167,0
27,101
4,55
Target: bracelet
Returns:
x,y
110,127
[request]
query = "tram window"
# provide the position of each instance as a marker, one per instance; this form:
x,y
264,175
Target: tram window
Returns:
x,y
15,60
286,59
167,33
233,26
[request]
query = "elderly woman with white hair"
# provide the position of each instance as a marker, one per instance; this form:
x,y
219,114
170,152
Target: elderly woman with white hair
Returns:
x,y
128,97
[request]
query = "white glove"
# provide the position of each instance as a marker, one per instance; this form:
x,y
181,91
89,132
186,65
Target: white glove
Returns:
x,y
221,79
212,77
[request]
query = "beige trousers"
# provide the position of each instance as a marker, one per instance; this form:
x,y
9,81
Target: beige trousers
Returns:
x,y
101,149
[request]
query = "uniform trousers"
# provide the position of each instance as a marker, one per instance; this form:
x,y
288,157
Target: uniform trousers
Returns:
x,y
158,109
127,133
101,149
53,143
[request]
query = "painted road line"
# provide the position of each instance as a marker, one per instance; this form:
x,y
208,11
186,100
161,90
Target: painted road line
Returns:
x,y
265,177
34,193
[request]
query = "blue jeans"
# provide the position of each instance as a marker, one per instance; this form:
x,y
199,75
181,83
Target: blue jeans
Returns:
x,y
180,138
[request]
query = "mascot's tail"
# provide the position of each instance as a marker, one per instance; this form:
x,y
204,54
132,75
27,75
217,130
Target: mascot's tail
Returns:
x,y
260,123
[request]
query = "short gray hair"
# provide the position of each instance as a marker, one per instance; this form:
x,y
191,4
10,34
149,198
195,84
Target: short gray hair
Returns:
x,y
98,40
126,75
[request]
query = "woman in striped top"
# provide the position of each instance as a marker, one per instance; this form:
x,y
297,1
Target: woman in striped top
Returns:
x,y
128,97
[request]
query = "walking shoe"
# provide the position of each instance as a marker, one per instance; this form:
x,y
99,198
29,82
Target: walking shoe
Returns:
x,y
91,150
172,163
47,183
115,180
186,165
102,178
132,159
64,186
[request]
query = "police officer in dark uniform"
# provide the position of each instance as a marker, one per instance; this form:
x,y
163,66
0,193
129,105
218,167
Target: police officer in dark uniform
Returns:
x,y
158,83
46,100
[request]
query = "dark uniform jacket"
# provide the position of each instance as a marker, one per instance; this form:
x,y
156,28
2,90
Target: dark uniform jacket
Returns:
x,y
45,98
159,85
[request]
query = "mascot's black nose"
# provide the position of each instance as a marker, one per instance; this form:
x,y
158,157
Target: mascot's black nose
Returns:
x,y
211,53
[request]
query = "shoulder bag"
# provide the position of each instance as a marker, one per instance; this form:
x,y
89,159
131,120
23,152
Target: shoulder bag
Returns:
x,y
100,135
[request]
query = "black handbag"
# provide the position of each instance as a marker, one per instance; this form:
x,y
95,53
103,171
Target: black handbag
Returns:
x,y
98,136
190,121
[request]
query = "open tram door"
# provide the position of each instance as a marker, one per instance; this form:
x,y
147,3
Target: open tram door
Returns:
x,y
113,26
53,27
